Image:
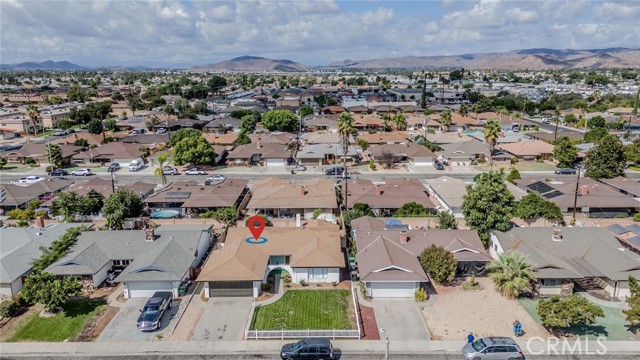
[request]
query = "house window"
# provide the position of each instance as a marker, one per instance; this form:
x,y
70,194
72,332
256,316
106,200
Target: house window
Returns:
x,y
279,259
121,262
550,282
318,273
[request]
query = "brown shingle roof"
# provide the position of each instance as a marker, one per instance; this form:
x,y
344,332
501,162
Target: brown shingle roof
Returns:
x,y
275,193
225,194
527,148
409,150
266,151
395,193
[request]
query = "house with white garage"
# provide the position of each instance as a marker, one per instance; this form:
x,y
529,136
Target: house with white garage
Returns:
x,y
148,260
241,264
260,154
414,154
19,247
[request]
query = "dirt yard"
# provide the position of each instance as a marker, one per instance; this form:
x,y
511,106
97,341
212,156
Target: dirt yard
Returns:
x,y
456,312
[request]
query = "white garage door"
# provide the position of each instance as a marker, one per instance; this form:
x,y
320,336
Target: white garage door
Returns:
x,y
392,289
423,163
147,288
275,162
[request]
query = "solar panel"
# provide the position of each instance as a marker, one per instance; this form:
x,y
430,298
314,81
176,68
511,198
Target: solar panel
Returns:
x,y
540,187
634,240
178,195
617,229
635,228
553,194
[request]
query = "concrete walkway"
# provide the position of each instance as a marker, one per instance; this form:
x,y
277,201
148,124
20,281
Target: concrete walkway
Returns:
x,y
401,319
622,305
277,296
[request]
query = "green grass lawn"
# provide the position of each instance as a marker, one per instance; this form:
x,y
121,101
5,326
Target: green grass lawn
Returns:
x,y
62,326
305,309
612,325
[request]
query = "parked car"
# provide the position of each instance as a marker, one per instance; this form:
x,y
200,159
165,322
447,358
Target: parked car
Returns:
x,y
301,167
137,131
169,171
566,171
310,348
113,167
136,165
60,133
439,166
58,172
216,177
151,314
161,131
30,179
501,348
195,171
334,171
81,172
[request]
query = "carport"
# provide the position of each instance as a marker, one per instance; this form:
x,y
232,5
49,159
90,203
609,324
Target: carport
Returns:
x,y
230,288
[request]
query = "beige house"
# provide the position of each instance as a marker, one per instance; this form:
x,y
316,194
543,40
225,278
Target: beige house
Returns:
x,y
529,150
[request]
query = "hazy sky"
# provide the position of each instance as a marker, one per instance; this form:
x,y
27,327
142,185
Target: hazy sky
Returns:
x,y
179,33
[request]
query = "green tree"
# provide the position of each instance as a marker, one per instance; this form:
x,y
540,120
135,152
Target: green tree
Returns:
x,y
595,135
33,113
512,273
95,126
399,121
64,123
412,209
596,122
81,142
280,120
53,153
240,113
306,111
565,152
439,263
556,312
248,124
217,83
3,162
491,132
364,144
227,216
606,159
177,136
159,164
194,150
242,139
488,204
345,129
357,211
111,124
632,153
68,204
446,120
632,315
120,205
446,220
49,290
200,107
514,175
534,206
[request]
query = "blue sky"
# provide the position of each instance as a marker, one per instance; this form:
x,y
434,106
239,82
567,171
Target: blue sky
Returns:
x,y
184,33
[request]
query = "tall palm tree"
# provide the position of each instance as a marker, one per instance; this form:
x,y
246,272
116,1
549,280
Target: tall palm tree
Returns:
x,y
345,128
33,113
491,132
446,120
162,161
399,121
512,273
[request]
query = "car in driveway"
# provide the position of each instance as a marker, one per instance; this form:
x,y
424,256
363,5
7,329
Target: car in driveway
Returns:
x,y
439,166
81,172
58,172
301,167
30,179
167,170
567,171
151,314
309,348
195,171
113,167
496,347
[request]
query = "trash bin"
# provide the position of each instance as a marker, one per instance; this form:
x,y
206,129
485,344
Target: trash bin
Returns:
x,y
292,172
182,289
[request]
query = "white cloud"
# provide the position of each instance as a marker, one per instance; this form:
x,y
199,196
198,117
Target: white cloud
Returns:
x,y
522,15
617,10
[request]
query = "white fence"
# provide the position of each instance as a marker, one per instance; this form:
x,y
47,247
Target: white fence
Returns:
x,y
296,334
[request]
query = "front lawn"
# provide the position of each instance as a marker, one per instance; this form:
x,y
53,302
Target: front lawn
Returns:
x,y
62,326
305,309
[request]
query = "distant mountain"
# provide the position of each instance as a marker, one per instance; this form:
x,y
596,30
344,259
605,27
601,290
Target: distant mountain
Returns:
x,y
520,59
252,64
45,65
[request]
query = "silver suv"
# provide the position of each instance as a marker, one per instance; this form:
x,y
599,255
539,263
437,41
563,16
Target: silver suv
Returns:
x,y
502,348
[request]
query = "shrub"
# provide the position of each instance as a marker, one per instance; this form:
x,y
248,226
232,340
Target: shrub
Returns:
x,y
421,295
439,263
303,282
636,217
372,165
334,283
9,308
286,278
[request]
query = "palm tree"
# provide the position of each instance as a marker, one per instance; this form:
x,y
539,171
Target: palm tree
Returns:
x,y
491,132
445,120
464,110
152,122
33,113
345,128
399,121
162,161
512,273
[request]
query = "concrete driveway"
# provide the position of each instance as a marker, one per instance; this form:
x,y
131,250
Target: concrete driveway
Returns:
x,y
401,319
223,319
123,326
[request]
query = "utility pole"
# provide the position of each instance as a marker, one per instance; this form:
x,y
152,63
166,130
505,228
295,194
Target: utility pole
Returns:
x,y
575,196
113,185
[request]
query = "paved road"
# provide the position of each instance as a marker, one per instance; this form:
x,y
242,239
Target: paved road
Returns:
x,y
346,356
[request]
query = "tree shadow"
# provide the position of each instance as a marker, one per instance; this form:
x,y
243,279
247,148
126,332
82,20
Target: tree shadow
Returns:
x,y
581,330
82,306
633,328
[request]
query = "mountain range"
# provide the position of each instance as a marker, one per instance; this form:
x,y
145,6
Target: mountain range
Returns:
x,y
45,65
251,64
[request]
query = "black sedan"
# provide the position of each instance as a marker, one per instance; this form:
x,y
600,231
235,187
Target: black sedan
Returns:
x,y
58,172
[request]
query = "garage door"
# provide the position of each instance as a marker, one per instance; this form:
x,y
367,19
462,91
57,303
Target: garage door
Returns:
x,y
275,162
230,288
147,288
392,289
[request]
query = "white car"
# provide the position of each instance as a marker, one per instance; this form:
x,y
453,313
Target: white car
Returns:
x,y
214,180
195,171
60,133
81,172
30,179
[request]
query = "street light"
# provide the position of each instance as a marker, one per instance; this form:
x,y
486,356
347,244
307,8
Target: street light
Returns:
x,y
386,344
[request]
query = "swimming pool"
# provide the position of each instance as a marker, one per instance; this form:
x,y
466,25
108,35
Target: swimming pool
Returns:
x,y
165,214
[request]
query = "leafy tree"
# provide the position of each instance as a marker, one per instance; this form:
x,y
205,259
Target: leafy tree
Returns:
x,y
565,152
357,211
160,163
49,290
200,107
596,122
242,139
306,111
446,120
570,119
632,152
534,206
194,150
122,204
64,123
117,96
488,204
420,139
423,96
364,144
399,121
177,136
68,204
3,162
81,142
248,124
280,120
595,135
632,315
53,153
439,263
491,132
512,273
58,248
227,216
111,124
95,126
446,220
556,312
240,113
514,175
606,159
217,83
412,209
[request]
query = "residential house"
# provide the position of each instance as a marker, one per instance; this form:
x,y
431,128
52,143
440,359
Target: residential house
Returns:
x,y
225,124
396,137
105,187
449,192
624,185
228,139
38,153
529,150
324,154
415,154
7,134
50,117
259,154
19,247
549,136
190,197
150,141
276,197
240,265
14,196
113,152
276,137
322,122
21,124
569,258
385,198
364,122
463,153
177,124
629,236
149,260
